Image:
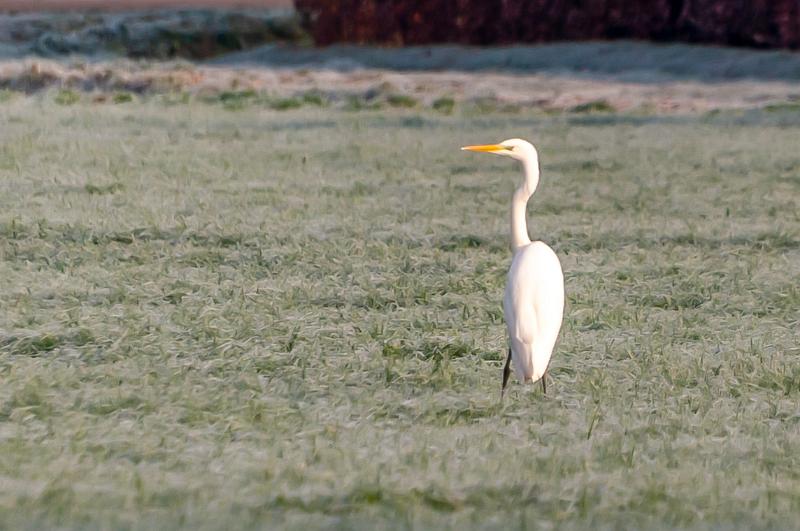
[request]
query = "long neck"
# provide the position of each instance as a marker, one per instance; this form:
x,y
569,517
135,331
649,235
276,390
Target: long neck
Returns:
x,y
519,224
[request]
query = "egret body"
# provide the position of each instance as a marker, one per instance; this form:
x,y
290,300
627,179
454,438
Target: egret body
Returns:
x,y
534,297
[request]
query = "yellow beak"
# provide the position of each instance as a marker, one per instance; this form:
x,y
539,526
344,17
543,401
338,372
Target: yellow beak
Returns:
x,y
488,148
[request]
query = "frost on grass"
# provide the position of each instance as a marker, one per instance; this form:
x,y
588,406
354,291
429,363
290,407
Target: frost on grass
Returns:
x,y
292,319
588,78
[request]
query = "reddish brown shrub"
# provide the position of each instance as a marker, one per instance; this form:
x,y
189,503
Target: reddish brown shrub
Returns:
x,y
767,23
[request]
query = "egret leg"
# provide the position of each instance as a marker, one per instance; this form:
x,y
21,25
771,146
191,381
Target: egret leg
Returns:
x,y
506,373
544,384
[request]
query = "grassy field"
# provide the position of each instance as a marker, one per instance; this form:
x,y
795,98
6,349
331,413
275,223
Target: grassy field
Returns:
x,y
256,318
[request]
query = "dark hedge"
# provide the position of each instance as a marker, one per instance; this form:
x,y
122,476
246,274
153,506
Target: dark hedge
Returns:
x,y
758,23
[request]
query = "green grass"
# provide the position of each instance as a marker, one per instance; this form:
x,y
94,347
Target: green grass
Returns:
x,y
593,106
122,97
787,106
292,319
401,100
444,105
67,97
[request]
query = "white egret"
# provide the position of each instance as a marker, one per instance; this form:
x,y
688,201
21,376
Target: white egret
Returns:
x,y
534,298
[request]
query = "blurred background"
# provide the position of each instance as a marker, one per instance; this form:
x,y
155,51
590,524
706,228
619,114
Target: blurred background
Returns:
x,y
625,50
762,24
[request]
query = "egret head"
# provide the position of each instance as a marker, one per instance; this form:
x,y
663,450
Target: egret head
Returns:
x,y
515,148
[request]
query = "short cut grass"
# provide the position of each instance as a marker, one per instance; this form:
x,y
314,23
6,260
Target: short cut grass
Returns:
x,y
283,319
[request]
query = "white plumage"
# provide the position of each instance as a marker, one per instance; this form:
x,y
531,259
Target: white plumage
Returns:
x,y
534,297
